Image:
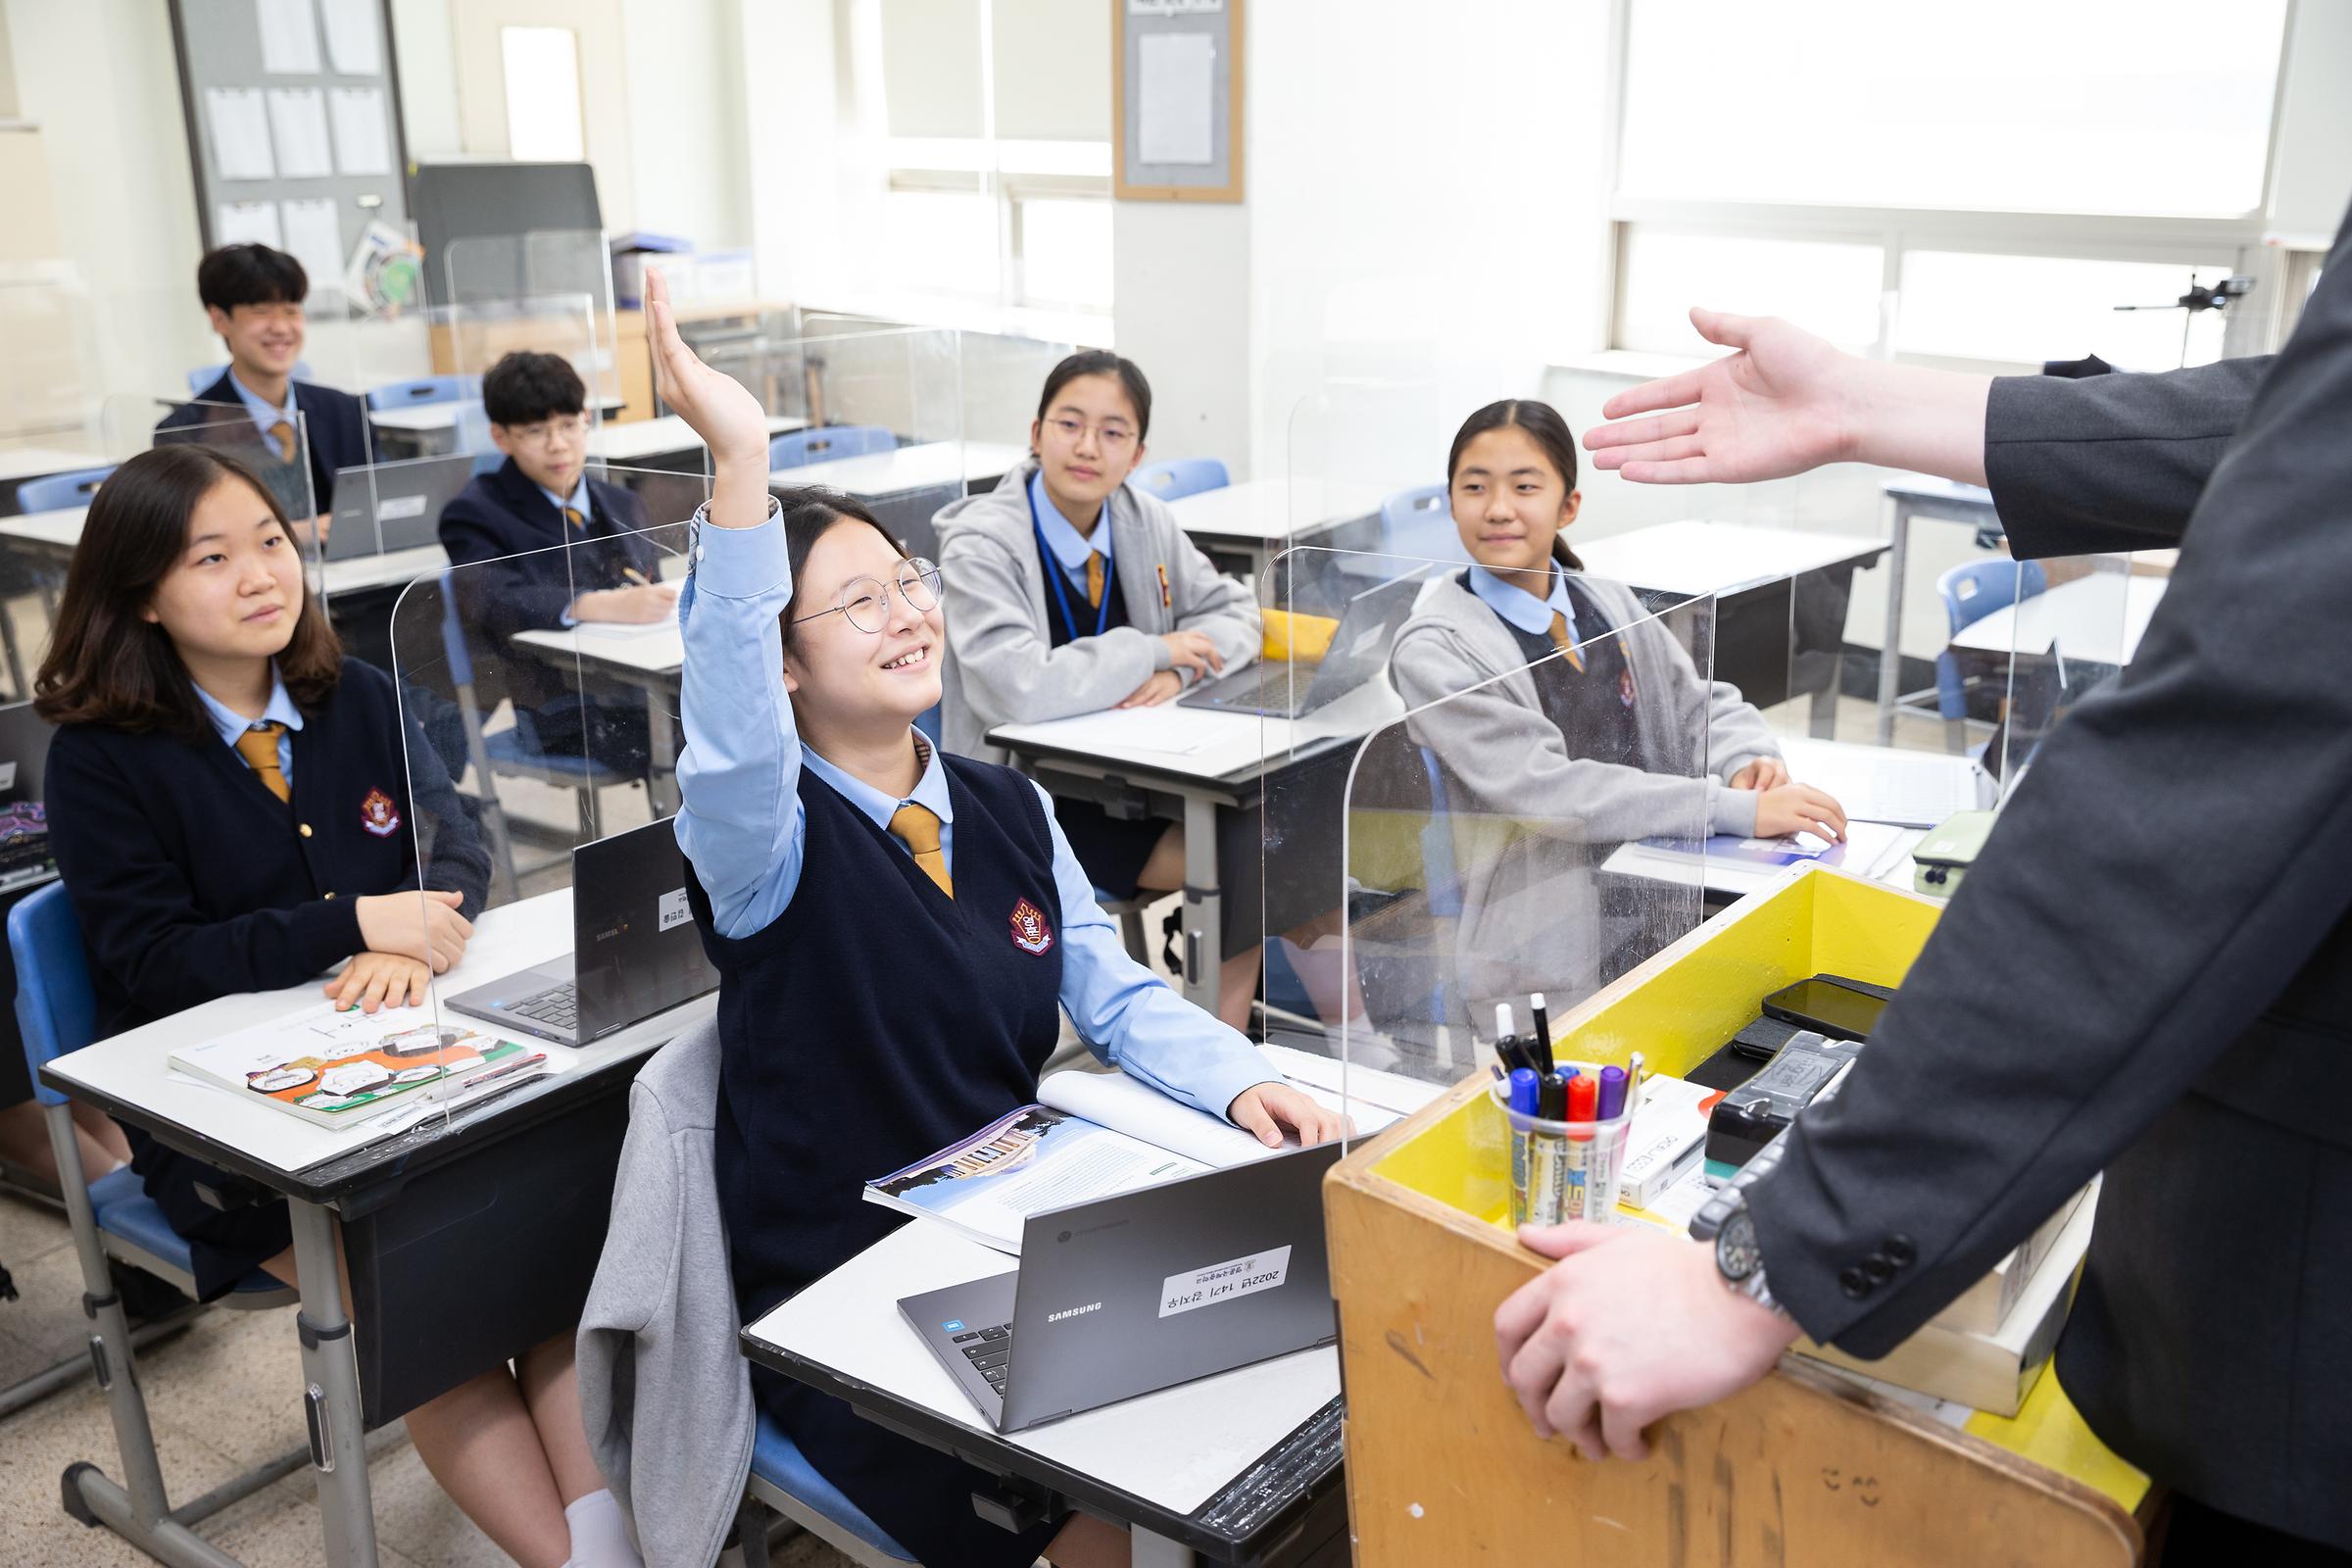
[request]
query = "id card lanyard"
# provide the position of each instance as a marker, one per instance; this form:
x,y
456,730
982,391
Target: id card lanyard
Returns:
x,y
1062,594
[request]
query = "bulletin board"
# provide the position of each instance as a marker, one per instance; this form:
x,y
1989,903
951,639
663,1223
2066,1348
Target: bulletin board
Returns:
x,y
1176,100
293,116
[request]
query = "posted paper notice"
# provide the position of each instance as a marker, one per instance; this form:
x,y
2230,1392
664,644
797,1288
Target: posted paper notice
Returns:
x,y
1175,107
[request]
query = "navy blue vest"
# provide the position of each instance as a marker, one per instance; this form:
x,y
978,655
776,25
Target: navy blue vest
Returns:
x,y
874,1021
1112,611
1595,707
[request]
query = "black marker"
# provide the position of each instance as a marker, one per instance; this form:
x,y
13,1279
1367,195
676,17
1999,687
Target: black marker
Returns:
x,y
1540,1040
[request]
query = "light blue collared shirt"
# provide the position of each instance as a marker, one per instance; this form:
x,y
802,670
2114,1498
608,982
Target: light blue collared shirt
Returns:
x,y
1069,546
743,826
577,500
281,710
266,413
1522,609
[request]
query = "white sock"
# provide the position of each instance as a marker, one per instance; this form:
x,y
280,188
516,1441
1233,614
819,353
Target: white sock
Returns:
x,y
600,1535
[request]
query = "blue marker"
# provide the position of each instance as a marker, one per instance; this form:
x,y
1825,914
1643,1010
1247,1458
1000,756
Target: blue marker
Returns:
x,y
1526,1094
1526,1090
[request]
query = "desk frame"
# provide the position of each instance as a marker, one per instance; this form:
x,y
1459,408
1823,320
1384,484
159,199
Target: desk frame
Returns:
x,y
1902,506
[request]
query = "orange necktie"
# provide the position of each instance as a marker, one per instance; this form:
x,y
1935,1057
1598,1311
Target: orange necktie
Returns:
x,y
283,435
1565,643
571,515
917,827
259,746
1094,580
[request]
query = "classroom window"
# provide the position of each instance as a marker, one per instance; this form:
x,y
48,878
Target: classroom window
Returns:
x,y
542,67
1828,289
941,242
1962,305
1065,252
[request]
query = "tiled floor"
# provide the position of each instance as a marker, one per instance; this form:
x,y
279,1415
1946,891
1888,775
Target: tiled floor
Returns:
x,y
223,1398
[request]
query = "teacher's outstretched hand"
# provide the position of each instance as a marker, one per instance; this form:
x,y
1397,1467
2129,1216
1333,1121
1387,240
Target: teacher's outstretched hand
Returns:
x,y
1784,403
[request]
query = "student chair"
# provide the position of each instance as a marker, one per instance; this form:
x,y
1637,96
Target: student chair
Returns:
x,y
821,443
783,1480
58,491
1969,592
113,1218
1419,522
473,435
204,375
424,390
512,752
1180,476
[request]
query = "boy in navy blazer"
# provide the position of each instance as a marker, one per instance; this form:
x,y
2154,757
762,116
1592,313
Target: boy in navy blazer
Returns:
x,y
502,532
254,296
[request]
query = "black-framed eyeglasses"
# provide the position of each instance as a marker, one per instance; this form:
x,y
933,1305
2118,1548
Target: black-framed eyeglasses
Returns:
x,y
866,602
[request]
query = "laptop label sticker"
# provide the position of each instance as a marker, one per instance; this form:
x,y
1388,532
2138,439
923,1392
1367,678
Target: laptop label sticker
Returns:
x,y
673,910
1225,1281
399,507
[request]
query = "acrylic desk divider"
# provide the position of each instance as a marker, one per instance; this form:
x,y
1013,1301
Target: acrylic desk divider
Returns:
x,y
485,277
280,460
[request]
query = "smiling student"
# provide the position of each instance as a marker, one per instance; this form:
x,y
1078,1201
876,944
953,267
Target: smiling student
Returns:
x,y
505,527
1558,704
897,931
1070,592
254,295
228,802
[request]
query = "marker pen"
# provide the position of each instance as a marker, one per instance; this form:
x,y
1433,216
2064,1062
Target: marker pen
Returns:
x,y
1577,1150
1526,1097
1612,1095
1541,1037
1547,1155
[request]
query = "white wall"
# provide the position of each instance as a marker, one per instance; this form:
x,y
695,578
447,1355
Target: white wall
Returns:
x,y
1180,287
2311,179
686,117
426,56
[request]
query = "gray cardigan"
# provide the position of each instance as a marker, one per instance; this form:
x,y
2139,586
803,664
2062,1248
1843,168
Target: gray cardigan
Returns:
x,y
665,1392
1002,667
1531,821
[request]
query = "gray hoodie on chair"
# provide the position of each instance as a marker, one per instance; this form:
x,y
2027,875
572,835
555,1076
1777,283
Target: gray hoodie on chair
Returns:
x,y
1531,821
1002,667
664,1391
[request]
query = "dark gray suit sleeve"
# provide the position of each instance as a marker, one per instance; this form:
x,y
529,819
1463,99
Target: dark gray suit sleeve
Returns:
x,y
2109,462
2157,881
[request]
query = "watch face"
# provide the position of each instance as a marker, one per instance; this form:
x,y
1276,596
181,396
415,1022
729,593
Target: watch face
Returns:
x,y
1736,1254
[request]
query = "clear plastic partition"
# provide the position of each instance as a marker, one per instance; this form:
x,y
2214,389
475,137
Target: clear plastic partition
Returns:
x,y
1002,377
469,339
1366,470
880,417
489,273
2069,626
277,452
49,399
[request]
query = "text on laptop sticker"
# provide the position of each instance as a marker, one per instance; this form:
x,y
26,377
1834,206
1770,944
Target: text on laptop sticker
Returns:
x,y
1225,1281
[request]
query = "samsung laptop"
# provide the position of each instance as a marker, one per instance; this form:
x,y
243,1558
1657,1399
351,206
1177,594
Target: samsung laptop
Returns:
x,y
393,506
1140,1292
1359,650
635,950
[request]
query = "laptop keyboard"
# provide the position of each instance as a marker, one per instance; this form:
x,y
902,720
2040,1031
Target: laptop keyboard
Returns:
x,y
990,1351
558,1007
1277,687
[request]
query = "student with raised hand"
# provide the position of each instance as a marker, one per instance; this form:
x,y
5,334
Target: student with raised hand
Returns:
x,y
504,529
254,297
1069,592
1557,702
896,929
228,798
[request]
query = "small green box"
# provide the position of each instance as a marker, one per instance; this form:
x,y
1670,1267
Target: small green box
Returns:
x,y
1944,856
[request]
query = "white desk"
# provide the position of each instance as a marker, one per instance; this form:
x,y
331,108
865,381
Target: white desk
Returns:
x,y
1699,558
947,463
318,1168
1255,519
1174,1449
667,436
430,418
18,463
2099,618
648,657
1882,784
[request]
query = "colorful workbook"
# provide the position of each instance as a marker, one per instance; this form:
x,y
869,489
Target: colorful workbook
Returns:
x,y
337,1067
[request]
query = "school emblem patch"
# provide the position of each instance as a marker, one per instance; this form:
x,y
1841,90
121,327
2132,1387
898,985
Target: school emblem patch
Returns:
x,y
1029,933
378,815
1625,685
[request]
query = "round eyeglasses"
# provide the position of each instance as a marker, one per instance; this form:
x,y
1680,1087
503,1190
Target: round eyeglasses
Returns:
x,y
865,603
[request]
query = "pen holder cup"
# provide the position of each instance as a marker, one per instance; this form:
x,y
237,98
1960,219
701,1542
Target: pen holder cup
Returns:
x,y
1564,1170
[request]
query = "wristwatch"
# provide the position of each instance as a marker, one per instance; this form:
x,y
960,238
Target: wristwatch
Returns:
x,y
1724,1219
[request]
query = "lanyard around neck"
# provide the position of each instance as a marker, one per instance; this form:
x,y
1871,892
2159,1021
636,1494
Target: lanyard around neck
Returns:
x,y
1053,573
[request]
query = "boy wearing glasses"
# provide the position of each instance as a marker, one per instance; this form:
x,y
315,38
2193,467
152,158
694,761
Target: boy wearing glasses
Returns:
x,y
1069,592
503,528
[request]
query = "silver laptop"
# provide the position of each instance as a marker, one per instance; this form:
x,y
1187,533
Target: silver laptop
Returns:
x,y
635,950
393,506
1359,650
1140,1292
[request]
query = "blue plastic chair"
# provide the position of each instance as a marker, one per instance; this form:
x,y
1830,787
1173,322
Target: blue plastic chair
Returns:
x,y
1969,592
424,390
1419,522
472,431
823,442
204,375
1180,476
783,1478
113,1217
58,490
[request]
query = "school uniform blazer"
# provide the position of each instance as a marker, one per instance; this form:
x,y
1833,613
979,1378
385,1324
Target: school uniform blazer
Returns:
x,y
502,533
193,881
2149,969
1002,667
335,423
1531,819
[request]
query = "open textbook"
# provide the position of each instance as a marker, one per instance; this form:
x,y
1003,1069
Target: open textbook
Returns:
x,y
336,1066
1095,1134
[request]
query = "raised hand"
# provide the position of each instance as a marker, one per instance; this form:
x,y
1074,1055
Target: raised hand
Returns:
x,y
717,406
